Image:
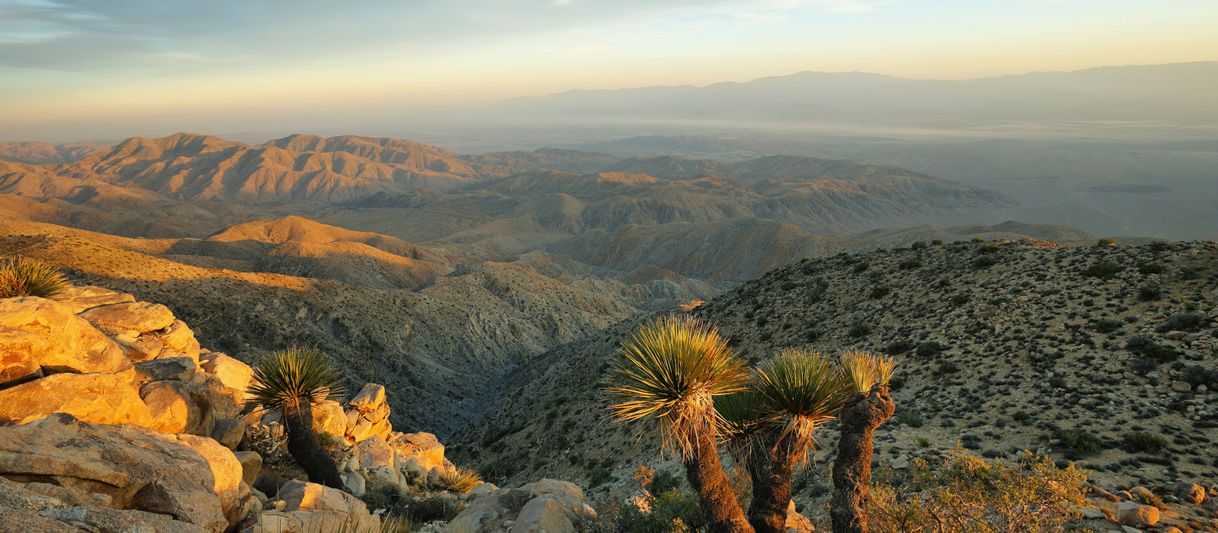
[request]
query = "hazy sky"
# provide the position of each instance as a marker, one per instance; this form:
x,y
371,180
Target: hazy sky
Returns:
x,y
87,69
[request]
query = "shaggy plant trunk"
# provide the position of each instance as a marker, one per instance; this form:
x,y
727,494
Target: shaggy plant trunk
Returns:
x,y
706,476
772,462
307,451
852,469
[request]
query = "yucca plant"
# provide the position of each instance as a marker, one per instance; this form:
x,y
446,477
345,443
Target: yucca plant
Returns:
x,y
289,382
867,410
20,276
796,392
669,371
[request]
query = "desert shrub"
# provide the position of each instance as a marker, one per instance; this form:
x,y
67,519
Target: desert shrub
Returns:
x,y
1102,270
599,476
788,285
1199,375
1106,243
416,508
918,245
20,276
1159,246
898,347
1184,322
672,511
663,481
457,479
860,267
1022,417
966,493
878,292
929,349
1076,443
988,249
1105,325
1147,347
909,264
959,300
1142,442
1148,293
859,329
908,417
984,261
1151,267
947,368
937,242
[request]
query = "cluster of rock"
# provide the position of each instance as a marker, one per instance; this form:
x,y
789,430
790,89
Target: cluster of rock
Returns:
x,y
1141,509
113,418
547,505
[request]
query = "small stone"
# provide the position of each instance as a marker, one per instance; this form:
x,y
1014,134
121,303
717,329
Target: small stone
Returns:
x,y
1190,492
1181,387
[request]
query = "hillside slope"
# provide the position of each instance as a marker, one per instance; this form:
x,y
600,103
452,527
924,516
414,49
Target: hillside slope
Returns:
x,y
1000,348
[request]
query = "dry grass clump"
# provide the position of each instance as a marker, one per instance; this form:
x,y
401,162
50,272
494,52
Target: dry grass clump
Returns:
x,y
20,276
458,479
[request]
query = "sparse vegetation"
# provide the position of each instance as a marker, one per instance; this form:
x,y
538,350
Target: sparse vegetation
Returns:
x,y
966,493
909,264
458,479
20,276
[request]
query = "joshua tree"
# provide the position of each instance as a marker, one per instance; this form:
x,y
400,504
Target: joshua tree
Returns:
x,y
862,414
290,382
670,370
25,277
771,427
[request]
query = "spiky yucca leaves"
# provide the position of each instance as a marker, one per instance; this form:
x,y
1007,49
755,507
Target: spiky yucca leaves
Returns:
x,y
20,276
799,390
867,369
286,380
670,370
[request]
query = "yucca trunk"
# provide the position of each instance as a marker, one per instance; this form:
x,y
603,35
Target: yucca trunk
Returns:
x,y
772,462
705,473
852,469
306,448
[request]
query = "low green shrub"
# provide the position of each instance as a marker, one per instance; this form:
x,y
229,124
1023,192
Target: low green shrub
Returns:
x,y
1102,270
1142,442
1076,443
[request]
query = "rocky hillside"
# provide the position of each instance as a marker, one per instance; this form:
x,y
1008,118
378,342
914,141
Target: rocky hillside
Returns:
x,y
443,345
39,153
1108,355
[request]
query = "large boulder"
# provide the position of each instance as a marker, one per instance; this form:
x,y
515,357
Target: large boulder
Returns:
x,y
424,448
97,398
230,372
174,368
329,418
178,407
39,337
309,507
188,478
130,319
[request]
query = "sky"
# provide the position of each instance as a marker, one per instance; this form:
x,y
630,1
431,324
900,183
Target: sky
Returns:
x,y
78,69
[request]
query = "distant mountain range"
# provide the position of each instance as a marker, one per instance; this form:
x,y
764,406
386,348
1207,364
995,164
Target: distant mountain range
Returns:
x,y
1179,93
